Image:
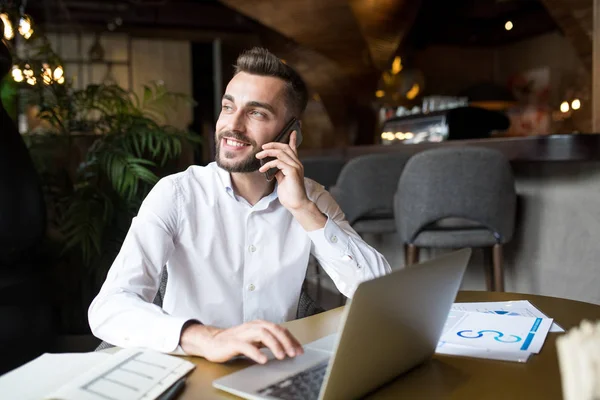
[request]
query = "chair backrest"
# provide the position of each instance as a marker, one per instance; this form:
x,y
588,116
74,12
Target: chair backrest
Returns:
x,y
324,170
366,185
473,183
22,209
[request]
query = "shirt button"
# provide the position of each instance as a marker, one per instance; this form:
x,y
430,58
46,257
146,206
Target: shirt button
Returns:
x,y
334,239
251,287
252,249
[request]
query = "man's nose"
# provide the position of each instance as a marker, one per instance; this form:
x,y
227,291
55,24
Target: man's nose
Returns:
x,y
236,122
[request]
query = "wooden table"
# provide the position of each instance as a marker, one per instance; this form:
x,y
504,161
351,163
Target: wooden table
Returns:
x,y
444,377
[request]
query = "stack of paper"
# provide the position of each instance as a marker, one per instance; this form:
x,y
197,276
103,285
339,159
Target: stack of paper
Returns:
x,y
509,331
131,374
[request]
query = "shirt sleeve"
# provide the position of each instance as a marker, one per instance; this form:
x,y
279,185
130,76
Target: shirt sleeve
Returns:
x,y
123,313
341,252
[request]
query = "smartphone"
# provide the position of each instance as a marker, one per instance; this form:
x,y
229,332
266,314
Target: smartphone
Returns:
x,y
283,137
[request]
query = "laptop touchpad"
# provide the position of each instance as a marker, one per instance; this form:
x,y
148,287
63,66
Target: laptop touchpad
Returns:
x,y
326,343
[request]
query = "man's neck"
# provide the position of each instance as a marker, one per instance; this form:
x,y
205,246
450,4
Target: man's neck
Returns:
x,y
251,186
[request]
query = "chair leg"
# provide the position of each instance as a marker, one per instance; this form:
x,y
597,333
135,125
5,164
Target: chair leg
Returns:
x,y
498,269
411,254
488,262
318,274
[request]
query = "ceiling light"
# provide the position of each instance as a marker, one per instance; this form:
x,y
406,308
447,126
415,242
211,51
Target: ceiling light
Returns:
x,y
25,27
396,65
508,26
17,74
576,104
9,33
564,107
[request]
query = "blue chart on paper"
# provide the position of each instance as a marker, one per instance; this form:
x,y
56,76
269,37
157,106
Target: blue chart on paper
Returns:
x,y
502,312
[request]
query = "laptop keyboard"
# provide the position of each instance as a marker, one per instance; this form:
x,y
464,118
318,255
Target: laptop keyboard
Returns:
x,y
305,385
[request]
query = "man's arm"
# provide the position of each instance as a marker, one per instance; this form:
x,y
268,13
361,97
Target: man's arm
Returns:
x,y
123,313
342,253
346,258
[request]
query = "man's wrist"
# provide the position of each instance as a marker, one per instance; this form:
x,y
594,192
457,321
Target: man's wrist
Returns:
x,y
309,216
195,336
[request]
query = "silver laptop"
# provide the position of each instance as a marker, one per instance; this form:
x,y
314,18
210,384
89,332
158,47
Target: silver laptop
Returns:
x,y
392,324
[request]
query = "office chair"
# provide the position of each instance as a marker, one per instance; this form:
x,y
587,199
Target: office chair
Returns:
x,y
457,197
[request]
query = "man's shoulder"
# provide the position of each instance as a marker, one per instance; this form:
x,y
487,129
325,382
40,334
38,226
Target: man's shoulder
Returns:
x,y
193,174
194,178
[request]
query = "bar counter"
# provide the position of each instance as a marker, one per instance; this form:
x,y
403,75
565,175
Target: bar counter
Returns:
x,y
573,147
556,247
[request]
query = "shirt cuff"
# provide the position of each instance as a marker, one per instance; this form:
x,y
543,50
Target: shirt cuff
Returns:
x,y
168,342
331,240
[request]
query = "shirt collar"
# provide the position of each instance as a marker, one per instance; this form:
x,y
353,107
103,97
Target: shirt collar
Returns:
x,y
225,177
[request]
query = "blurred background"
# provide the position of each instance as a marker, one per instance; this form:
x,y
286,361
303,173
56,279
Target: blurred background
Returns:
x,y
110,95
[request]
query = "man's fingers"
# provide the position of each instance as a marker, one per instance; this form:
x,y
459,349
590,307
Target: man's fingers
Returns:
x,y
275,164
289,342
250,351
267,338
294,141
282,155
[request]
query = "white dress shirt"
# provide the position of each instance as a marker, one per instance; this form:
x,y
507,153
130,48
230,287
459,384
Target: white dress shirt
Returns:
x,y
228,262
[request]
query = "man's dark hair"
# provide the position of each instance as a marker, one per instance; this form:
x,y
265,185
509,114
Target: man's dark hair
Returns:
x,y
260,61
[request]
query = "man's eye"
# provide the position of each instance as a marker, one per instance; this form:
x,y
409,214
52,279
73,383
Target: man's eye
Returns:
x,y
257,114
226,107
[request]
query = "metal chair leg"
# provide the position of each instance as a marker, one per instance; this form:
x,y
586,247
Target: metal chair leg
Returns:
x,y
318,274
498,268
411,254
488,262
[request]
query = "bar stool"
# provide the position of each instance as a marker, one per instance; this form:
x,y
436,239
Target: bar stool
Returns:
x,y
457,197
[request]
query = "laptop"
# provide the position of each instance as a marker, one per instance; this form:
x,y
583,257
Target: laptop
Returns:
x,y
392,324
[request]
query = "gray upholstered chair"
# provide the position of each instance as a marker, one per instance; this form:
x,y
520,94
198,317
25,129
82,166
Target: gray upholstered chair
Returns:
x,y
457,197
324,170
365,191
306,305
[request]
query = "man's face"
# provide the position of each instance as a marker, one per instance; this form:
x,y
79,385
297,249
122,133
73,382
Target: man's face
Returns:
x,y
253,111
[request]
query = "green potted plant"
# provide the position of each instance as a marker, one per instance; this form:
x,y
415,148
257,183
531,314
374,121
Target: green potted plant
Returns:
x,y
98,150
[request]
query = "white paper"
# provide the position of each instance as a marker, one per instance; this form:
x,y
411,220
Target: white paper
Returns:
x,y
497,332
131,374
451,349
45,374
521,308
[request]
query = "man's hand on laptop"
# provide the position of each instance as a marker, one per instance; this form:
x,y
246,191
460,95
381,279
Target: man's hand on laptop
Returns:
x,y
220,345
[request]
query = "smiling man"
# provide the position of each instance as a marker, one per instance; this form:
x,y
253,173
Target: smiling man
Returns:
x,y
236,246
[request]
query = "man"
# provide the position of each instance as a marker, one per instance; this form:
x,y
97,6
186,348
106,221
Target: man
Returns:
x,y
236,246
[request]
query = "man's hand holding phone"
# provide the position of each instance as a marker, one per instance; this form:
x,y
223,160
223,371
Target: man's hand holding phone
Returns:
x,y
290,179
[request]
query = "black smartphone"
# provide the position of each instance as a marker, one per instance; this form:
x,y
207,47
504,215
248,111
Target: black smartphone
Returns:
x,y
283,137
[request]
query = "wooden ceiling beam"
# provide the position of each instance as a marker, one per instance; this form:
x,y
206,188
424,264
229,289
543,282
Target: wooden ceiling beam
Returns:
x,y
574,19
385,24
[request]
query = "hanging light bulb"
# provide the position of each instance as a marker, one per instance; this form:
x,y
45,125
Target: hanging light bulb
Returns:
x,y
9,32
17,74
58,73
25,28
31,80
61,80
46,74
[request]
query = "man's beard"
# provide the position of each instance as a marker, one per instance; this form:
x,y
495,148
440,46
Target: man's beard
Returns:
x,y
249,164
